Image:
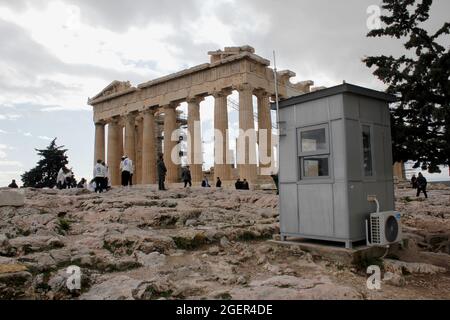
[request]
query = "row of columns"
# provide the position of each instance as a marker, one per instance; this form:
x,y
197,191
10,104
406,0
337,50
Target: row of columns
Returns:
x,y
140,140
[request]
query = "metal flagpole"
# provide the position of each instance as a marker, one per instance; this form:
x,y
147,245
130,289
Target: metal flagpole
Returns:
x,y
276,90
278,107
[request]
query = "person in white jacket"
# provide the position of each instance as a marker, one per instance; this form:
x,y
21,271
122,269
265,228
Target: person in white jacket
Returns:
x,y
99,176
126,166
60,178
107,176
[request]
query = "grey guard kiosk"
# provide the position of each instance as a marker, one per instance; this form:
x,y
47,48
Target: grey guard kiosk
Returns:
x,y
335,150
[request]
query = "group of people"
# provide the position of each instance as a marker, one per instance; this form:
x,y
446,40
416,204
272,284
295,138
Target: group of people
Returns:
x,y
186,177
101,181
242,185
419,183
65,179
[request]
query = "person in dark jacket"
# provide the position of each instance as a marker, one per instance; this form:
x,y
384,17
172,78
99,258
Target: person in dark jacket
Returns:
x,y
205,183
414,181
82,184
238,184
219,183
186,177
422,185
13,185
162,170
245,185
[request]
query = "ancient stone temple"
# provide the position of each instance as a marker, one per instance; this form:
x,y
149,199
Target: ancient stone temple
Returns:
x,y
142,121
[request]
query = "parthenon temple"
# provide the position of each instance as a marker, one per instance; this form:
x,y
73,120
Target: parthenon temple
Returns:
x,y
142,121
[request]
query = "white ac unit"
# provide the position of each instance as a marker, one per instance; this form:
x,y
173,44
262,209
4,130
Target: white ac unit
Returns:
x,y
384,228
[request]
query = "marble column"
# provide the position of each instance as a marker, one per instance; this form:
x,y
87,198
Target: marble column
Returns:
x,y
130,136
139,141
222,169
114,151
170,125
99,152
399,170
195,156
120,139
247,167
148,148
264,123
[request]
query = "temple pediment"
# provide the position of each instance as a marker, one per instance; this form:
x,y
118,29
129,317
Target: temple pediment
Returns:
x,y
113,88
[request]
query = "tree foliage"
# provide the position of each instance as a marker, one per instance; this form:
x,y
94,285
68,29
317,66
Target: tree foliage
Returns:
x,y
420,81
46,170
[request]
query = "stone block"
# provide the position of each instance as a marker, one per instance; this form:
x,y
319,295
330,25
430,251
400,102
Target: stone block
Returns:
x,y
11,198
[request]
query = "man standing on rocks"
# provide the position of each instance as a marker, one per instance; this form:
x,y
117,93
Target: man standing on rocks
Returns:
x,y
186,177
162,170
245,185
99,176
238,184
126,166
421,185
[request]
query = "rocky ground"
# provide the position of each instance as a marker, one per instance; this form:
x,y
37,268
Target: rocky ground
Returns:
x,y
202,244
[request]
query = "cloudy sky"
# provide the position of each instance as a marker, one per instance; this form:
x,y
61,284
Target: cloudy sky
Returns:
x,y
56,54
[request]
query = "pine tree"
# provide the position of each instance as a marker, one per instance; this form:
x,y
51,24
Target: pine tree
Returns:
x,y
420,80
46,170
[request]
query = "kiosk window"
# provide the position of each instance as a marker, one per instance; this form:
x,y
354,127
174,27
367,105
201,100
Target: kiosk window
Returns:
x,y
314,140
313,152
315,167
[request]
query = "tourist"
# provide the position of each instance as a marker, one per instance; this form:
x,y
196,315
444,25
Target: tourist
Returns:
x,y
219,183
13,185
245,185
238,184
421,185
186,177
126,166
61,178
82,184
205,183
70,179
107,181
91,186
99,176
162,170
130,182
414,181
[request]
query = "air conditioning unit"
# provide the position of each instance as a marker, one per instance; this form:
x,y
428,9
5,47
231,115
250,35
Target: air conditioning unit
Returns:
x,y
384,228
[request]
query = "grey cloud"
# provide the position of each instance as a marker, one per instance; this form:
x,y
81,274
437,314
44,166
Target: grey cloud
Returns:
x,y
28,62
120,15
318,37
